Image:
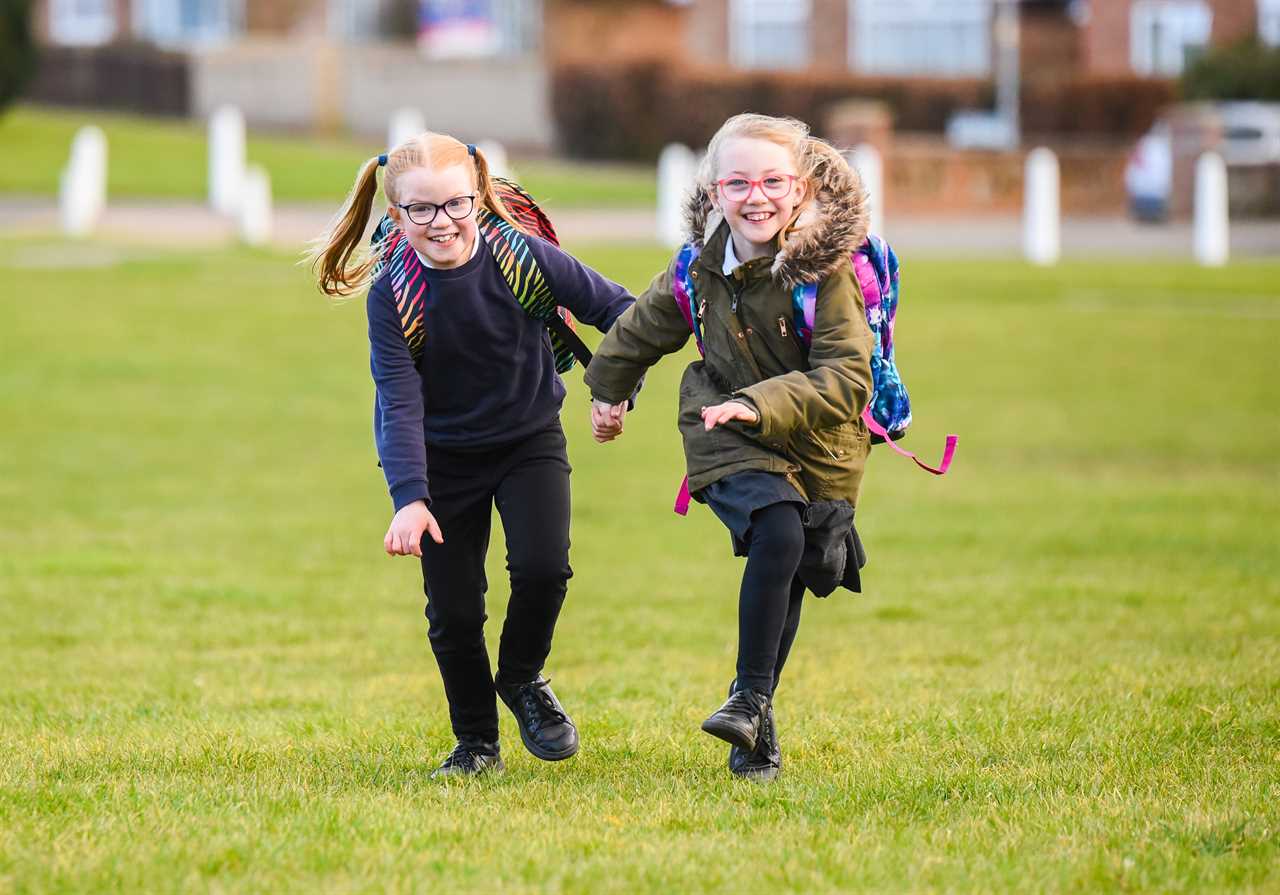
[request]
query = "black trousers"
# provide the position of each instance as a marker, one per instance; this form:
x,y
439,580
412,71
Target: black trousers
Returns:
x,y
529,482
771,597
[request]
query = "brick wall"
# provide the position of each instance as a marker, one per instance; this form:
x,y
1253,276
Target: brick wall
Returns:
x,y
578,32
708,34
829,35
1106,37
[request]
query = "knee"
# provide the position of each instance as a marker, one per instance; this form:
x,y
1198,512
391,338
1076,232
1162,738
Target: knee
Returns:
x,y
455,621
546,568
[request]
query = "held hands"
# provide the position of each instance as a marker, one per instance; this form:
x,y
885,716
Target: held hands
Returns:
x,y
606,420
719,414
404,537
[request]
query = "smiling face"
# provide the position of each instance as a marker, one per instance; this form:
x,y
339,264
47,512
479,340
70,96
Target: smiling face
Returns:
x,y
756,220
444,242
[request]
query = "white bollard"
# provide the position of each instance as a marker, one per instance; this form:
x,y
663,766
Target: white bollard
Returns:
x,y
1041,208
254,216
866,160
226,159
406,123
82,189
677,168
496,156
1212,218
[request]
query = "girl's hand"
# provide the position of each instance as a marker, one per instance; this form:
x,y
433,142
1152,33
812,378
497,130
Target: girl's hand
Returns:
x,y
404,537
606,420
719,414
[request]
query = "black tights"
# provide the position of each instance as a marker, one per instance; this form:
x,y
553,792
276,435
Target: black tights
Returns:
x,y
771,596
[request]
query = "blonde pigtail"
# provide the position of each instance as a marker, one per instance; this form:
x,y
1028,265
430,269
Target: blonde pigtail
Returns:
x,y
489,198
331,254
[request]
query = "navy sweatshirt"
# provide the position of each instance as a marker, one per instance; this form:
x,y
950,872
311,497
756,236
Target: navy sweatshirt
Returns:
x,y
486,376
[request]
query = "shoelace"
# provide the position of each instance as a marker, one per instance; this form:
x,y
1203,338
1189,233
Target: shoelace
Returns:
x,y
539,706
462,757
740,703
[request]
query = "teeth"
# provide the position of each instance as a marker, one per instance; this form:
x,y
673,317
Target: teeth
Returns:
x,y
444,239
760,216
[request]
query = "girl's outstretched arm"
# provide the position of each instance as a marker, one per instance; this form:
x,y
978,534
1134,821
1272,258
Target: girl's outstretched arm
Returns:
x,y
649,329
590,297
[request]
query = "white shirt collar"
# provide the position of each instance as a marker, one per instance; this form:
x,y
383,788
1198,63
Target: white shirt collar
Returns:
x,y
475,247
731,261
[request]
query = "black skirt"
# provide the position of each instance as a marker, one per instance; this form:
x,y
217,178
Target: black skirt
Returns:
x,y
832,556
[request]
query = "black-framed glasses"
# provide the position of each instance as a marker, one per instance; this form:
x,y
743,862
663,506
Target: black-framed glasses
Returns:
x,y
424,213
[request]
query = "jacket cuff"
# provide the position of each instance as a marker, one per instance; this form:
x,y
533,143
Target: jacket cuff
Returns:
x,y
761,426
406,493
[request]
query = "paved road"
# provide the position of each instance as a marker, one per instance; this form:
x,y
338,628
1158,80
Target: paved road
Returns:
x,y
180,224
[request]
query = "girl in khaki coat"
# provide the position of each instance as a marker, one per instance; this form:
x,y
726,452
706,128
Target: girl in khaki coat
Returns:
x,y
773,438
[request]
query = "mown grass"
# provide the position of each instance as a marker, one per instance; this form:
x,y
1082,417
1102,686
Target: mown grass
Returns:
x,y
151,158
1064,675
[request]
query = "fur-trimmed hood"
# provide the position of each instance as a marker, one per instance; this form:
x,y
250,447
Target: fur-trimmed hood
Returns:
x,y
830,227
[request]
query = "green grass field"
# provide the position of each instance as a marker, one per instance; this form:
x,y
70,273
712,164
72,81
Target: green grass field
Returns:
x,y
151,158
1064,675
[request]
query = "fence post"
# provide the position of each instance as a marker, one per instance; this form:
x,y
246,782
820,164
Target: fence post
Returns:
x,y
406,123
1212,216
866,160
1041,212
254,216
677,167
226,159
82,190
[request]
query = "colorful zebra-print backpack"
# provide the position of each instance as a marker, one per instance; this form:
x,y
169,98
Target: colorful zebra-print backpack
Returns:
x,y
510,249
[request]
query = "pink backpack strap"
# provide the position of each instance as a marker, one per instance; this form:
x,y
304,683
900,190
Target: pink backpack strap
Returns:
x,y
948,452
683,498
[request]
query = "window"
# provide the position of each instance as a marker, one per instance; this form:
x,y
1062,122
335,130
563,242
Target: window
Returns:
x,y
769,33
1269,22
461,28
187,21
948,38
355,20
82,22
1167,34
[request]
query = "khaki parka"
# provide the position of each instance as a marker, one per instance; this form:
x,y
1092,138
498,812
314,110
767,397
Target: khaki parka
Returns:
x,y
810,401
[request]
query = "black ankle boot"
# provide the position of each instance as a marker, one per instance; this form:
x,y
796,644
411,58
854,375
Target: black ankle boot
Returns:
x,y
545,729
739,720
469,759
764,763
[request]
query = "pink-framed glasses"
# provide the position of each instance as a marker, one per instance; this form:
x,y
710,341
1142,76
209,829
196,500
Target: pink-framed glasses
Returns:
x,y
739,189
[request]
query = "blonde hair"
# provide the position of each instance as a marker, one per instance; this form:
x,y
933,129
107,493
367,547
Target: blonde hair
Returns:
x,y
814,158
339,266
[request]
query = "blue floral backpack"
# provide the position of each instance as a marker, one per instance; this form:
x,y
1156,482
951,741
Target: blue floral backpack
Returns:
x,y
888,414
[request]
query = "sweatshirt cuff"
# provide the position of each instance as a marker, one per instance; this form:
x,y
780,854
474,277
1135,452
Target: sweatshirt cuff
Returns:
x,y
406,493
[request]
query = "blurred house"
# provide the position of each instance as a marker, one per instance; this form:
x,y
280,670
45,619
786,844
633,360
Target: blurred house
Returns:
x,y
473,67
483,68
956,38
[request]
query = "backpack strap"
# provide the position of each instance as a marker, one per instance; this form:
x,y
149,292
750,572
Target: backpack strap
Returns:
x,y
685,294
510,249
804,303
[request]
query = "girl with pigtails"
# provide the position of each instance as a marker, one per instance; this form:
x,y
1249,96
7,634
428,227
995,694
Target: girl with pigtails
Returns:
x,y
464,339
771,416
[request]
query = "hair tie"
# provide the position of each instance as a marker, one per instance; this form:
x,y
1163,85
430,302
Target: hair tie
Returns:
x,y
382,160
471,150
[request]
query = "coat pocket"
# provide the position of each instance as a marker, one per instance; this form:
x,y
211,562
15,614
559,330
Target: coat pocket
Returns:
x,y
832,460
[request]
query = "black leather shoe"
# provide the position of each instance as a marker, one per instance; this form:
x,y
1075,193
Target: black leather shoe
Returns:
x,y
469,760
738,721
764,763
545,729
